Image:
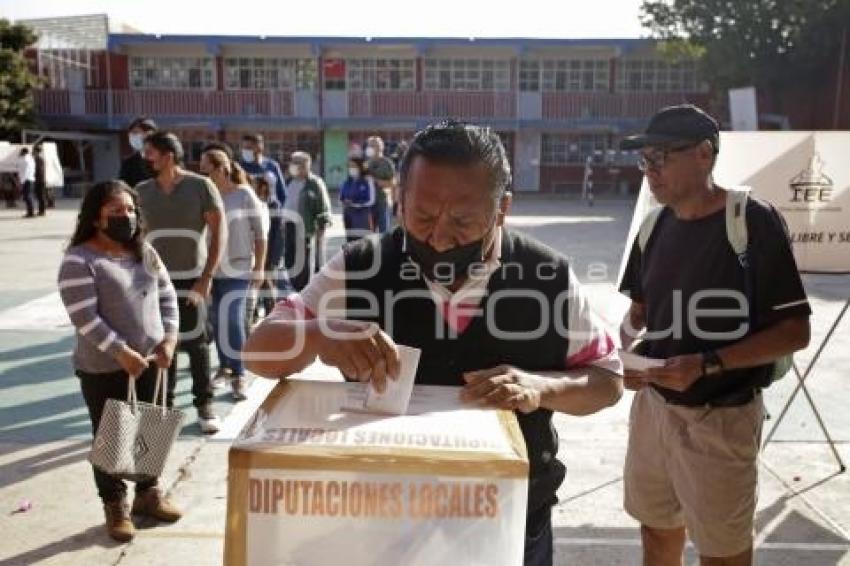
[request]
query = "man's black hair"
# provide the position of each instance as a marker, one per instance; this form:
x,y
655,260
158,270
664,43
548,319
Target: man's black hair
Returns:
x,y
166,142
457,143
221,146
254,138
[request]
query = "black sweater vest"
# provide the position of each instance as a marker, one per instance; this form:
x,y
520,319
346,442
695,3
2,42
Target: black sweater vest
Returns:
x,y
520,304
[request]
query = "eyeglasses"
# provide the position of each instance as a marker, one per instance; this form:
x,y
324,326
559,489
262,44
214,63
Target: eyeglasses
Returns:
x,y
657,158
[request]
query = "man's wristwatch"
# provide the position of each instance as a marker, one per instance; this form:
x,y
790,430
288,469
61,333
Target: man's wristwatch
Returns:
x,y
711,364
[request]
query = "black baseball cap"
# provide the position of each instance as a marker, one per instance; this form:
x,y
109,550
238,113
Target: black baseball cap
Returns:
x,y
674,125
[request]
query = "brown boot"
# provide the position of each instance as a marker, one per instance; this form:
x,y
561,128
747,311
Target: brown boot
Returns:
x,y
118,523
152,503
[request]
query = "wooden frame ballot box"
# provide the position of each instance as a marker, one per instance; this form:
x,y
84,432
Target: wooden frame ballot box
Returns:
x,y
315,480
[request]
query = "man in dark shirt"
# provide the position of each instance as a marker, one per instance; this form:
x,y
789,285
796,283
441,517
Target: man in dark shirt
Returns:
x,y
40,178
256,164
134,168
382,171
718,321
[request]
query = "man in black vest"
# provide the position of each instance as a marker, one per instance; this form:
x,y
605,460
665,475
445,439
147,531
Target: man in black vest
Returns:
x,y
493,311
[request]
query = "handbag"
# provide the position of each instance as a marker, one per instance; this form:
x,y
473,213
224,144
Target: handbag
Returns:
x,y
134,438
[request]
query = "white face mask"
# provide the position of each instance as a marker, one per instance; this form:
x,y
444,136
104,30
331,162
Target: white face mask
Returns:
x,y
137,141
294,170
354,172
247,156
370,152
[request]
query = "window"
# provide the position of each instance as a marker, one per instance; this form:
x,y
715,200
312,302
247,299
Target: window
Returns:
x,y
172,72
655,75
573,149
269,73
381,74
334,71
467,74
529,76
575,75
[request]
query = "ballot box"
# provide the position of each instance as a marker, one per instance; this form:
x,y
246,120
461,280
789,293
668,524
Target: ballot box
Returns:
x,y
314,480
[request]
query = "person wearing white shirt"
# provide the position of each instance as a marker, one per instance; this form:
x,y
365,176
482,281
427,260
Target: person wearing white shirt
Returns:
x,y
26,178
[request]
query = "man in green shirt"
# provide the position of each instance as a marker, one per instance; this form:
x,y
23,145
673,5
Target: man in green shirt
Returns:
x,y
179,208
307,212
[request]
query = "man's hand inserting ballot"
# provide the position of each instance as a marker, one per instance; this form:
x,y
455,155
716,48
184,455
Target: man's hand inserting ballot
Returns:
x,y
360,350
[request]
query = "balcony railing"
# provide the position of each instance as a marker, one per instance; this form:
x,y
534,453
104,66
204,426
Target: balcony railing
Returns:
x,y
166,103
365,104
571,105
458,104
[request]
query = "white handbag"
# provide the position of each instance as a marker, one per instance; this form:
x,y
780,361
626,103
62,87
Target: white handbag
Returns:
x,y
134,438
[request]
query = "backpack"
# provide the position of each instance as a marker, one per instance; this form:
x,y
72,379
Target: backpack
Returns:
x,y
736,234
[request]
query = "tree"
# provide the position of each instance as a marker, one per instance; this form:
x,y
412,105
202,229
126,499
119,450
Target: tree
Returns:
x,y
767,43
16,80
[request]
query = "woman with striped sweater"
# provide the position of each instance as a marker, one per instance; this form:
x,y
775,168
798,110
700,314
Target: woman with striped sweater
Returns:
x,y
124,308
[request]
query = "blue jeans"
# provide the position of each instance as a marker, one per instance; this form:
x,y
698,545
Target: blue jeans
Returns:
x,y
229,294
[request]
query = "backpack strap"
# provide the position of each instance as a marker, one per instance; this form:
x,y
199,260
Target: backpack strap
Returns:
x,y
736,221
647,226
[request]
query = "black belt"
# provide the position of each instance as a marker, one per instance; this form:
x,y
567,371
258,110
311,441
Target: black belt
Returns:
x,y
734,399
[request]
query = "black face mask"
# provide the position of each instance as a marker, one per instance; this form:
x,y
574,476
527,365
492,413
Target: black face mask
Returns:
x,y
447,266
121,228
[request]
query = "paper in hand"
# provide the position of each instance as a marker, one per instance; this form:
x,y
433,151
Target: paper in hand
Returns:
x,y
396,396
636,362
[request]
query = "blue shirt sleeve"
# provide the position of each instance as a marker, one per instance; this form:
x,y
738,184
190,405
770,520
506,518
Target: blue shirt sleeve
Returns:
x,y
280,190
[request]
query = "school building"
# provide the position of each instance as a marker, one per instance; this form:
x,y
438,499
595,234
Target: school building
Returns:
x,y
557,103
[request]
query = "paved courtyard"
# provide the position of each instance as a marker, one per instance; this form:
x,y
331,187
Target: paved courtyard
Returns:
x,y
803,516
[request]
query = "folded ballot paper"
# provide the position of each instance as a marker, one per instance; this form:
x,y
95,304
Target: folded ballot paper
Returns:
x,y
636,362
396,396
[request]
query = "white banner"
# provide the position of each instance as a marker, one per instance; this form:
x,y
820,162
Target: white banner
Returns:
x,y
805,175
359,519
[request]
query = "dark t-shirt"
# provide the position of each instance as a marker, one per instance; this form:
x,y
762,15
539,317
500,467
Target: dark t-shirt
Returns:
x,y
135,169
693,289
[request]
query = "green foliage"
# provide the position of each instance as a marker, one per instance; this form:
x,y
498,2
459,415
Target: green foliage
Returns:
x,y
744,42
16,80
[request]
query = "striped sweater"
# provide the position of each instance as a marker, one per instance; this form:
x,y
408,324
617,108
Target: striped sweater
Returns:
x,y
116,301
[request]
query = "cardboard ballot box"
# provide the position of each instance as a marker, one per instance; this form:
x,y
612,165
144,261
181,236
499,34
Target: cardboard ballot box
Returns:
x,y
315,481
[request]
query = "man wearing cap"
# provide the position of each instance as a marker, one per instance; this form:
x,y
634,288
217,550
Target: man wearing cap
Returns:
x,y
256,164
134,168
718,322
382,171
308,214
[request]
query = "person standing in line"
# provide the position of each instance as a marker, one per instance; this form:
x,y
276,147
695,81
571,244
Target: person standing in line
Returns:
x,y
180,209
382,171
242,266
357,196
307,215
134,167
124,309
276,283
256,164
691,466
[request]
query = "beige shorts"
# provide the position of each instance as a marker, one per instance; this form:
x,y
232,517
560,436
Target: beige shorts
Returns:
x,y
695,467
